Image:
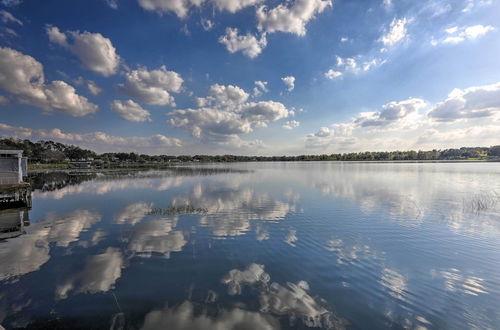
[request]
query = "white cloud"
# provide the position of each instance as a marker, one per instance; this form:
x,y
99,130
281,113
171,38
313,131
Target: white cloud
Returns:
x,y
152,87
387,4
459,34
23,76
98,141
467,117
131,111
344,39
93,88
248,44
233,6
323,132
471,4
11,3
185,30
221,95
260,88
181,7
392,112
291,124
289,81
225,113
7,17
3,100
95,51
112,3
397,32
332,74
207,24
472,102
353,66
291,19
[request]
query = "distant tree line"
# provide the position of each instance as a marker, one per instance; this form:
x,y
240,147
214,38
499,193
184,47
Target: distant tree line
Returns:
x,y
50,151
47,151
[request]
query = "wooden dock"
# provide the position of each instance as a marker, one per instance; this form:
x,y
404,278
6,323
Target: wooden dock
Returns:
x,y
15,195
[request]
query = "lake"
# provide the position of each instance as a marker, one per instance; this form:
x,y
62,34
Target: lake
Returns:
x,y
258,246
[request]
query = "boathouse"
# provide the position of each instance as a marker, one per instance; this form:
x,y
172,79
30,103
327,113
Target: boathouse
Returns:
x,y
13,166
14,192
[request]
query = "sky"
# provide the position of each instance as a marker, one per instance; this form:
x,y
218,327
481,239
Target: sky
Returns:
x,y
251,77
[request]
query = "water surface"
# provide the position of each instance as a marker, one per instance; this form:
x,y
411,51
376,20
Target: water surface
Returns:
x,y
258,246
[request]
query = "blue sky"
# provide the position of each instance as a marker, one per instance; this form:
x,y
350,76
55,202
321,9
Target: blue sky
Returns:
x,y
251,76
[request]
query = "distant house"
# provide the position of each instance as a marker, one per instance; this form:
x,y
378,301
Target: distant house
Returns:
x,y
13,166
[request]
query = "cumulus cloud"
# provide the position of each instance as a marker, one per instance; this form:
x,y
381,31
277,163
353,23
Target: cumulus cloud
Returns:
x,y
291,124
260,88
290,18
466,117
225,113
289,81
221,125
393,115
98,141
233,6
131,111
472,102
23,76
178,7
7,17
248,44
222,95
391,112
182,7
397,32
457,34
95,51
152,87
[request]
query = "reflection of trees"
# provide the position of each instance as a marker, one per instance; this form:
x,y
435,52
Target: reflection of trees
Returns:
x,y
230,208
50,181
102,187
105,181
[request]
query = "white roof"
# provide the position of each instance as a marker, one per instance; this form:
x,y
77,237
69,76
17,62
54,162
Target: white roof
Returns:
x,y
10,152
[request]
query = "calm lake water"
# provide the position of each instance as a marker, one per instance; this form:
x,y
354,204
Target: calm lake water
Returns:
x,y
259,246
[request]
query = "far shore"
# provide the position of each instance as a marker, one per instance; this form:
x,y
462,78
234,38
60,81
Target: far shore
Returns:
x,y
65,167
